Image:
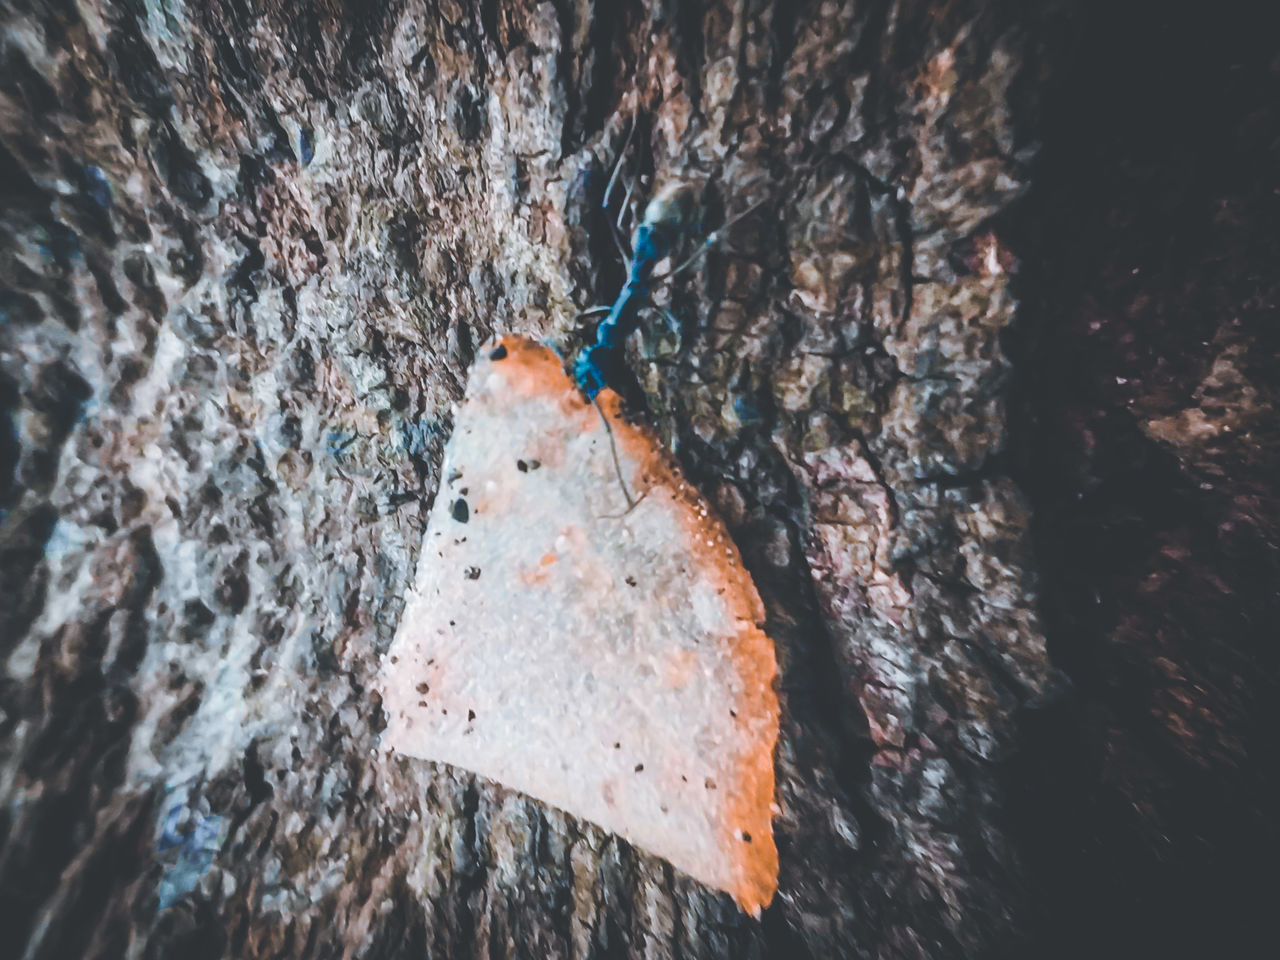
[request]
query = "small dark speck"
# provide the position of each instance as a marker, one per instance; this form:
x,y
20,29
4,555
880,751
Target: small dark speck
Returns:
x,y
522,466
395,659
473,573
684,778
424,687
471,714
710,784
746,836
631,581
453,623
498,353
464,491
734,714
460,511
444,712
639,767
422,703
617,746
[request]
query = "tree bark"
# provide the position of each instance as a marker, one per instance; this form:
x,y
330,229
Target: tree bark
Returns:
x,y
248,252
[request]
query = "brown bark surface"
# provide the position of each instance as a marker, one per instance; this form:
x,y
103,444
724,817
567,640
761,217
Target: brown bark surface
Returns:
x,y
985,391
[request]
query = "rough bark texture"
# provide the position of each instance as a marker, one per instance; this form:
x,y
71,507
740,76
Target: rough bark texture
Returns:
x,y
986,392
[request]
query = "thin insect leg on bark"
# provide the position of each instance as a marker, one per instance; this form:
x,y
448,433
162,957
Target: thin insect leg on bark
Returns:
x,y
673,324
711,240
592,312
616,228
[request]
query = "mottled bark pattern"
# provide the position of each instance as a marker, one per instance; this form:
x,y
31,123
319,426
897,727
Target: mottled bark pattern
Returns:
x,y
246,255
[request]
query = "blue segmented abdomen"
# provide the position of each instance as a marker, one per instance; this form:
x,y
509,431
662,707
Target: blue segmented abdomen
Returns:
x,y
653,242
614,329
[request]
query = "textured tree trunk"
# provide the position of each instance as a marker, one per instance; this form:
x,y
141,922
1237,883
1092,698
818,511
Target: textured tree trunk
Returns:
x,y
247,253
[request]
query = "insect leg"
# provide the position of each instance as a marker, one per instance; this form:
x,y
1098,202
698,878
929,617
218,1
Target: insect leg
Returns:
x,y
617,165
616,227
673,325
711,240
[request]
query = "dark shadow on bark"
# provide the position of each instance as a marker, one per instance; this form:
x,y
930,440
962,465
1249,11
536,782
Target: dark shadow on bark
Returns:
x,y
1145,796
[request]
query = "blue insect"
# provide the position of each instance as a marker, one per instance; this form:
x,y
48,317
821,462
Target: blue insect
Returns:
x,y
670,222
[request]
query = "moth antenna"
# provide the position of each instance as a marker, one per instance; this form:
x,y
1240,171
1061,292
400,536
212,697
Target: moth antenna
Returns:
x,y
617,464
626,512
